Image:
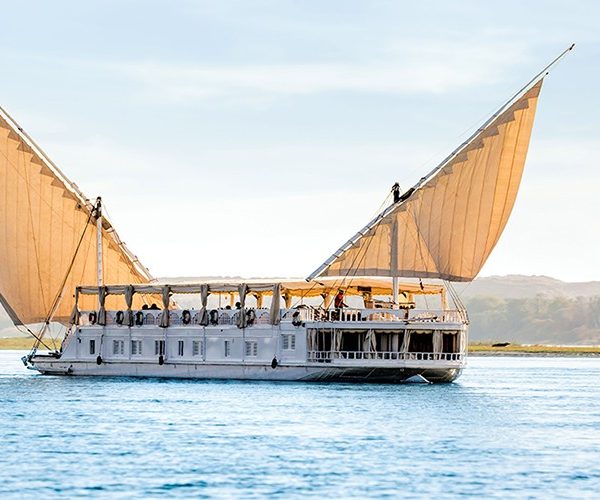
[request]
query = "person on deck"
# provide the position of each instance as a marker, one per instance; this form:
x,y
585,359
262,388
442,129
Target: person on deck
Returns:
x,y
339,300
396,192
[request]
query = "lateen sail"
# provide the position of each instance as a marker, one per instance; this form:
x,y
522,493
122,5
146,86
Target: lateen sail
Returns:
x,y
447,226
42,219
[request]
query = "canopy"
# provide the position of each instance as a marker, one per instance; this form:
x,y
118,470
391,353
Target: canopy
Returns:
x,y
447,225
292,287
48,236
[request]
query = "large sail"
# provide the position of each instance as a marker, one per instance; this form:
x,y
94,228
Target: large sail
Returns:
x,y
48,236
447,225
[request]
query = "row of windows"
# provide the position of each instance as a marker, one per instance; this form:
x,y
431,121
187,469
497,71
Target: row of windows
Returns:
x,y
251,347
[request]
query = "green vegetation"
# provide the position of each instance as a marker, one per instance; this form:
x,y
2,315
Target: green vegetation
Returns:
x,y
534,349
537,320
24,343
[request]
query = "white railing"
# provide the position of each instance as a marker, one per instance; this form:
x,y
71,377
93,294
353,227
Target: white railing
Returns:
x,y
262,316
389,315
328,356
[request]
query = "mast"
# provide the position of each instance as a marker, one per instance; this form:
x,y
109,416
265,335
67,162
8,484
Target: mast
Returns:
x,y
99,268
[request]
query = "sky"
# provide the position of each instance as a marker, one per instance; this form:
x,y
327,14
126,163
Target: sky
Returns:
x,y
253,138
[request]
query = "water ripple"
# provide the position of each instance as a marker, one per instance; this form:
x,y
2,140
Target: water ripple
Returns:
x,y
516,427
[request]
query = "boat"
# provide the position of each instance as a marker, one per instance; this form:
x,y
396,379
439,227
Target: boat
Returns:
x,y
382,308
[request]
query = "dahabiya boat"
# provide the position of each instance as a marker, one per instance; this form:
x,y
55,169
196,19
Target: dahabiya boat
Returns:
x,y
63,263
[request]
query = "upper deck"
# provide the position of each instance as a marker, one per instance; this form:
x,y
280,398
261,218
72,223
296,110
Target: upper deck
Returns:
x,y
261,303
257,317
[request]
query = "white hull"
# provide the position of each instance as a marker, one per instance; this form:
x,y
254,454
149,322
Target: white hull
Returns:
x,y
435,372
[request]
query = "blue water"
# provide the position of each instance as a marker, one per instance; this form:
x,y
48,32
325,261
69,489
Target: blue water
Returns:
x,y
508,427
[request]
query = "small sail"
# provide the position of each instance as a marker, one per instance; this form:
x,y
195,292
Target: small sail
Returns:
x,y
447,225
45,230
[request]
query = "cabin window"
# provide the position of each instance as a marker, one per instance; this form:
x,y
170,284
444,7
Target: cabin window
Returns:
x,y
93,346
251,348
159,347
227,348
197,348
118,347
180,347
136,347
288,342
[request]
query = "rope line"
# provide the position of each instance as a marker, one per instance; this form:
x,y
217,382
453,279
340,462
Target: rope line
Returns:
x,y
61,289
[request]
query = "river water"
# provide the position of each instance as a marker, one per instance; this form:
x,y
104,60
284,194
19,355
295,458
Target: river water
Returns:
x,y
508,427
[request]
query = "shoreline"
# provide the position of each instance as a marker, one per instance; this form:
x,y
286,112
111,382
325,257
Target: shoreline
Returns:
x,y
533,354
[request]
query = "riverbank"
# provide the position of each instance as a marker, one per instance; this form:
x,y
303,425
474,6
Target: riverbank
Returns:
x,y
24,343
475,349
481,349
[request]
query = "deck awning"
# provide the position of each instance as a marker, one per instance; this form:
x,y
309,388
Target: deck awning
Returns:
x,y
296,288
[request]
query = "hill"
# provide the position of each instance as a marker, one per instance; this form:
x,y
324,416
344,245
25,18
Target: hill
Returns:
x,y
515,286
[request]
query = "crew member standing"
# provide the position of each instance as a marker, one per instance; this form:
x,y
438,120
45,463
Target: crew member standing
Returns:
x,y
396,192
339,300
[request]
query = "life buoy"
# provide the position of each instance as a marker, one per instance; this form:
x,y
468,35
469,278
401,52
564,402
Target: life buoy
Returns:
x,y
93,317
161,360
139,318
213,317
99,360
250,317
120,317
274,363
186,317
296,319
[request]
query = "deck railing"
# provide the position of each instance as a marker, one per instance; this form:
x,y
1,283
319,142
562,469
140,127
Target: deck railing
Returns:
x,y
328,356
380,315
262,316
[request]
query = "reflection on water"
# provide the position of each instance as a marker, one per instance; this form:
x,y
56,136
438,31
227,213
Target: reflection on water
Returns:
x,y
507,427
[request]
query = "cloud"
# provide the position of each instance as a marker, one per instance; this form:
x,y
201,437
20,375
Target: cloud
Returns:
x,y
434,67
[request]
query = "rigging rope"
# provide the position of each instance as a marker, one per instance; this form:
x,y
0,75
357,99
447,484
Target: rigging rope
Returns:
x,y
334,283
61,289
343,279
